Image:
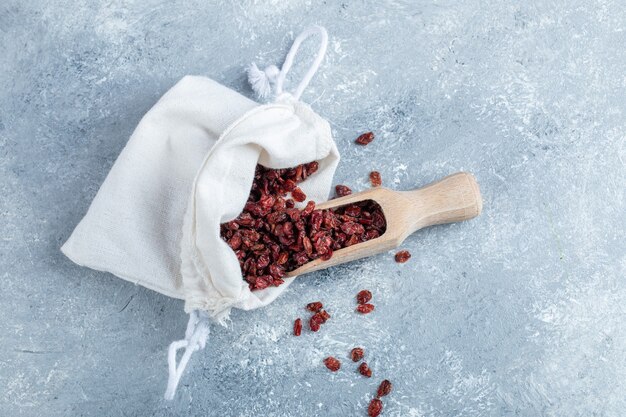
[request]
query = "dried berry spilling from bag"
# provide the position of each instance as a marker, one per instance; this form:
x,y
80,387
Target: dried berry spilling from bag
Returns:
x,y
271,237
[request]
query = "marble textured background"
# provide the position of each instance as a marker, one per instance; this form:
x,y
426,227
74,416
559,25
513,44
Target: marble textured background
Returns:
x,y
520,312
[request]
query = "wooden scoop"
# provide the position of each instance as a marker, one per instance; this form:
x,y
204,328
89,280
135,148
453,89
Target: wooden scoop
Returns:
x,y
452,199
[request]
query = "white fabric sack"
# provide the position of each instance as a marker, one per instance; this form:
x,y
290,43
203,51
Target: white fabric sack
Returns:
x,y
279,135
190,163
187,168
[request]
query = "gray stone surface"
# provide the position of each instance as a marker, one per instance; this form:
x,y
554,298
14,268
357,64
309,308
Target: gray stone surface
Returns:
x,y
519,312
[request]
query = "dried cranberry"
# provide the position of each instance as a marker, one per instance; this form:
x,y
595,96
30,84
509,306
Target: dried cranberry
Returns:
x,y
289,185
282,258
314,306
353,240
375,179
364,296
315,322
310,206
298,195
297,327
329,220
365,308
327,255
312,167
365,370
403,256
263,261
323,315
277,271
279,205
365,138
378,220
342,190
308,247
353,211
332,363
263,282
375,408
300,258
352,228
384,388
371,234
357,354
235,241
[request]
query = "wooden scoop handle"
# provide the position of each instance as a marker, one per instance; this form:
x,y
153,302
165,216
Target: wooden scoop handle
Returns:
x,y
452,199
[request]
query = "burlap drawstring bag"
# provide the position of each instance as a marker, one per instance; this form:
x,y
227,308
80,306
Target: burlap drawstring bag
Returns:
x,y
187,168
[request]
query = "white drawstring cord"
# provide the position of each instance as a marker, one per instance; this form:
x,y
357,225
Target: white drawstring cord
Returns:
x,y
261,81
292,53
195,339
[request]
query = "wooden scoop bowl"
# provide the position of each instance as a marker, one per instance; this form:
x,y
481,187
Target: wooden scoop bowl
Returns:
x,y
453,199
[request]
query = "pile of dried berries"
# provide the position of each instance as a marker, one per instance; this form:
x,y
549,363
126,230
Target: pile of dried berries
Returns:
x,y
271,237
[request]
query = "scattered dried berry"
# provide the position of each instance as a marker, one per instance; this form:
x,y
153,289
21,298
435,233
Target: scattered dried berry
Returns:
x,y
297,327
365,138
363,297
384,388
403,256
365,308
271,237
315,306
332,364
365,370
357,354
323,315
315,322
375,179
375,408
342,190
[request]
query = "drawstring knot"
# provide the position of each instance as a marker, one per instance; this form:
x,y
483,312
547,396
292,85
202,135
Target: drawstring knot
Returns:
x,y
262,81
